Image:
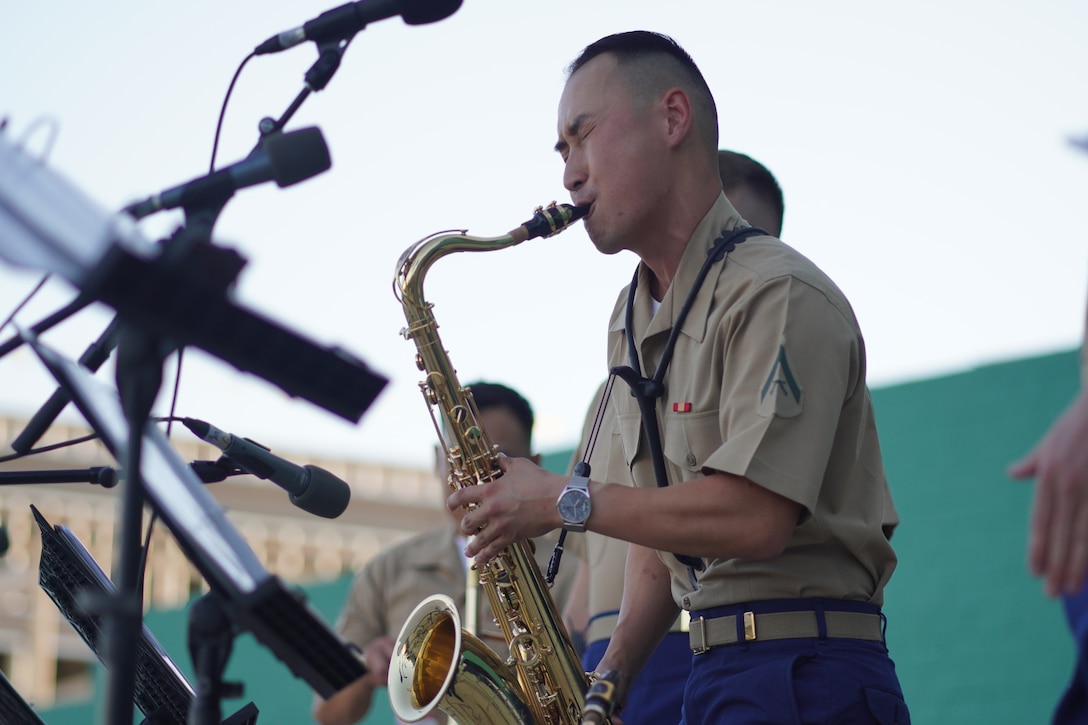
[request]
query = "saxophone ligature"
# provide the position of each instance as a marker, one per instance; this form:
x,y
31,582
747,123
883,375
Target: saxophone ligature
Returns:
x,y
436,664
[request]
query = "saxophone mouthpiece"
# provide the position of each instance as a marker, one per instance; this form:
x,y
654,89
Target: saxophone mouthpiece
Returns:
x,y
552,219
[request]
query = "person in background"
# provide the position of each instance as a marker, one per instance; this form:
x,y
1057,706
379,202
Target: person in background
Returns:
x,y
391,584
752,190
1058,537
657,694
760,495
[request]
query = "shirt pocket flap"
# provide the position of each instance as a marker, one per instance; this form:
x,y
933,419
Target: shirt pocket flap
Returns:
x,y
691,438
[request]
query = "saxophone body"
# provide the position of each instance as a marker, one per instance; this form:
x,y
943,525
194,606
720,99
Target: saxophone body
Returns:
x,y
436,664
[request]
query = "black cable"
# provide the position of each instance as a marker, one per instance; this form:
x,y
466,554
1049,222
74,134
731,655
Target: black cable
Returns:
x,y
46,449
26,301
223,110
169,427
72,442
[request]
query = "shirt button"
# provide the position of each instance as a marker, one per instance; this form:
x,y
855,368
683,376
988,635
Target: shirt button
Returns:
x,y
690,460
687,602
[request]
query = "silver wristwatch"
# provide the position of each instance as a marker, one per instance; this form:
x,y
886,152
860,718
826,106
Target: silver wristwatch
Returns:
x,y
574,505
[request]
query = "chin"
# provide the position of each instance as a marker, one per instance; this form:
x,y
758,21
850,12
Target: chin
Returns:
x,y
605,244
606,249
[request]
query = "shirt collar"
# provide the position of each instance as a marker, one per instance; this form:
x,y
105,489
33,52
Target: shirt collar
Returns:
x,y
721,217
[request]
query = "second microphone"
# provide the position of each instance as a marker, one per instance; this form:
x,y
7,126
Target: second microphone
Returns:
x,y
312,489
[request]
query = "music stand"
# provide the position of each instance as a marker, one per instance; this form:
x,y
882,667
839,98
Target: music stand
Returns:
x,y
278,616
69,574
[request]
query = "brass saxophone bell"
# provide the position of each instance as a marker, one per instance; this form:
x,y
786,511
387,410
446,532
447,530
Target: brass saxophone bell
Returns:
x,y
438,665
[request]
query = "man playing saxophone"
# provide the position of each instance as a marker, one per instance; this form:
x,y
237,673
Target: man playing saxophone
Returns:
x,y
657,695
390,586
741,411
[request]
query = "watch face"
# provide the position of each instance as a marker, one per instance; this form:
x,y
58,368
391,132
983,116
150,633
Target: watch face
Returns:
x,y
575,506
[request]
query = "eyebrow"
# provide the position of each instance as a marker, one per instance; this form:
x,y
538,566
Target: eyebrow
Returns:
x,y
571,130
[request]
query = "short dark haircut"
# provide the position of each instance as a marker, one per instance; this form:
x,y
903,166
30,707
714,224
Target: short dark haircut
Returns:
x,y
495,395
656,63
737,170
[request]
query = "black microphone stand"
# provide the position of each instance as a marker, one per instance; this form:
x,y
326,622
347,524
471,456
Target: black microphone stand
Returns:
x,y
317,77
92,358
17,340
141,355
106,477
211,635
140,358
103,476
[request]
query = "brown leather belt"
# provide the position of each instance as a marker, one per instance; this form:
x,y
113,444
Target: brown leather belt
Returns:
x,y
719,631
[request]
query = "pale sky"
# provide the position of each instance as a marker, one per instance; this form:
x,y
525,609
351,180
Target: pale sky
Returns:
x,y
922,148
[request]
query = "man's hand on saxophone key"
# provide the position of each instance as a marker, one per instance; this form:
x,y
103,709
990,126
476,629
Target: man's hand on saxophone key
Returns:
x,y
519,505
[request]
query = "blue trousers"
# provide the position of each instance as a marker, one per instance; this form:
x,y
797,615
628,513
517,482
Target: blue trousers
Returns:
x,y
1073,707
657,694
795,681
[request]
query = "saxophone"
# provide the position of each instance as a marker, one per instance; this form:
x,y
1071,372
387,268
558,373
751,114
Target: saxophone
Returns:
x,y
436,664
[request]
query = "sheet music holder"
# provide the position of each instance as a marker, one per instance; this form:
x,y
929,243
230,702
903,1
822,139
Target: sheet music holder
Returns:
x,y
259,602
14,710
67,572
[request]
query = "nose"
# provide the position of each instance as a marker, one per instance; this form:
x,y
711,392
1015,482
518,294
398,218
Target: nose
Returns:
x,y
574,172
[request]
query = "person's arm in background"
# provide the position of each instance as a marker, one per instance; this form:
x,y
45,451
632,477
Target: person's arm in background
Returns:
x,y
646,613
1058,539
352,703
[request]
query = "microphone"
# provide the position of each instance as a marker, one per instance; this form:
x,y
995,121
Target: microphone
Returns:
x,y
347,20
286,158
312,489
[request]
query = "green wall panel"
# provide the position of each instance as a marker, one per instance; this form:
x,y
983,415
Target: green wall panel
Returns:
x,y
974,639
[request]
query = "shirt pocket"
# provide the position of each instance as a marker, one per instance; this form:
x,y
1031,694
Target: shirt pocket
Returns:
x,y
690,440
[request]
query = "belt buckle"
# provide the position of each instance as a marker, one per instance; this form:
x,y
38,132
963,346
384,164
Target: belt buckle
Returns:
x,y
749,626
699,625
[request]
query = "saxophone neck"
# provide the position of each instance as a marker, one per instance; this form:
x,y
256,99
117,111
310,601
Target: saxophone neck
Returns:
x,y
417,259
415,262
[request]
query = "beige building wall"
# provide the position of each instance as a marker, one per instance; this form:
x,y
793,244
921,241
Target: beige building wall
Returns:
x,y
40,652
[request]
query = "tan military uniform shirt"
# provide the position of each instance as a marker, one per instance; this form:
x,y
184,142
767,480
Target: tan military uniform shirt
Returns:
x,y
767,382
390,586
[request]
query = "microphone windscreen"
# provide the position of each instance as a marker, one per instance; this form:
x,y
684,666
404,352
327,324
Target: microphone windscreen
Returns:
x,y
325,495
420,12
298,155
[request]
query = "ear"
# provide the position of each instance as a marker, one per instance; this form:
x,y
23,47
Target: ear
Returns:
x,y
679,115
